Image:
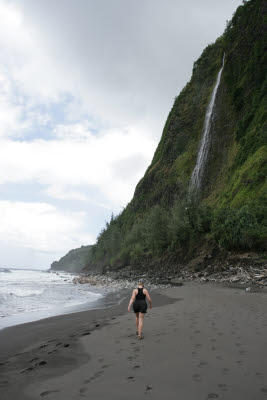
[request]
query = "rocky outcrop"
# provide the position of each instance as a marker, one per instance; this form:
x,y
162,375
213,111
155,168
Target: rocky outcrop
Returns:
x,y
164,218
73,261
245,270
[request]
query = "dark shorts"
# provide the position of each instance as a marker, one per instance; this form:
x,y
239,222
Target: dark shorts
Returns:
x,y
140,306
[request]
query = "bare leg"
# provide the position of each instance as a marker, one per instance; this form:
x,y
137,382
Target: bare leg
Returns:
x,y
137,320
141,319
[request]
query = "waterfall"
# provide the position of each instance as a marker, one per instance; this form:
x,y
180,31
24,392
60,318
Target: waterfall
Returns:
x,y
197,175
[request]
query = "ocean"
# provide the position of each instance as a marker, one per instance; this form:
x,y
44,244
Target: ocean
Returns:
x,y
29,295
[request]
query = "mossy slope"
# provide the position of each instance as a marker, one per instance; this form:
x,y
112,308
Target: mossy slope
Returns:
x,y
236,167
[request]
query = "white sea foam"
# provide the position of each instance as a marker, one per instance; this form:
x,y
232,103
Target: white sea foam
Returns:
x,y
25,292
38,294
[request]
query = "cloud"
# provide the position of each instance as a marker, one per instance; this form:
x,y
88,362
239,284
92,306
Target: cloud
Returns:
x,y
41,226
123,61
63,193
112,159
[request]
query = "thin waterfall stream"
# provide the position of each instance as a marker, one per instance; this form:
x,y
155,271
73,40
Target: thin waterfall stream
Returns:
x,y
198,172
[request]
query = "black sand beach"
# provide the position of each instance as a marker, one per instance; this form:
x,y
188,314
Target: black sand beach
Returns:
x,y
202,341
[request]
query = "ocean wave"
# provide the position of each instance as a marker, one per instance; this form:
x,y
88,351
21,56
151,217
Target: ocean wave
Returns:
x,y
26,294
5,270
20,292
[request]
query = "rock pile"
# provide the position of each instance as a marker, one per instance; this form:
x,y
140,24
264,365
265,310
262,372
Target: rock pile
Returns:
x,y
112,281
240,270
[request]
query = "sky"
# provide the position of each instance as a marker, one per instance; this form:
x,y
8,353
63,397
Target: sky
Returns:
x,y
85,89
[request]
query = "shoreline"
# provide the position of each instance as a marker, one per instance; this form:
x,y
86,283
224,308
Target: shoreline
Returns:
x,y
105,303
201,340
27,317
107,287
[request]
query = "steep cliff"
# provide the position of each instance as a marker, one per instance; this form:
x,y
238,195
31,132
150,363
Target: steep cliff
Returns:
x,y
228,208
73,261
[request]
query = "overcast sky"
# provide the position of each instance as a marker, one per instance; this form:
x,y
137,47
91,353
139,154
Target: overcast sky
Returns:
x,y
85,89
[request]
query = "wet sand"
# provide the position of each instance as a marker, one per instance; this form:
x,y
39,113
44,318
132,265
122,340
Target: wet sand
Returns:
x,y
202,341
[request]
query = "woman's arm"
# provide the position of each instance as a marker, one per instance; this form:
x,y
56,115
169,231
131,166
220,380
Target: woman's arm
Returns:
x,y
148,298
132,300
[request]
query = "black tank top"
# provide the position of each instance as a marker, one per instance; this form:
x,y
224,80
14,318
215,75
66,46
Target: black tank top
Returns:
x,y
140,295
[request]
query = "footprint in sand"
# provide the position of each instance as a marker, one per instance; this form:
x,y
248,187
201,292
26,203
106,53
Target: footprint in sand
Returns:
x,y
197,377
212,396
20,354
259,374
43,346
86,333
105,366
26,370
47,392
2,364
148,389
52,352
83,390
222,386
202,364
225,371
95,376
136,366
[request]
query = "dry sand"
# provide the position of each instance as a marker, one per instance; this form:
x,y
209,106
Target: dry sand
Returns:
x,y
202,341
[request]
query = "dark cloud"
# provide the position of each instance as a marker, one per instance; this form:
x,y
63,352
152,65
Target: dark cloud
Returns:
x,y
128,59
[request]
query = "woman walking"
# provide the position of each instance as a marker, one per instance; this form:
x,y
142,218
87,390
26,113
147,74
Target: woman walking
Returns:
x,y
138,300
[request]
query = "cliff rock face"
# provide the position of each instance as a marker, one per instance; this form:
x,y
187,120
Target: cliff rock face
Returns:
x,y
238,127
73,261
228,209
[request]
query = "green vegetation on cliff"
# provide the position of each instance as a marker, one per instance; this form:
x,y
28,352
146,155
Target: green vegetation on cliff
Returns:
x,y
230,208
73,261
